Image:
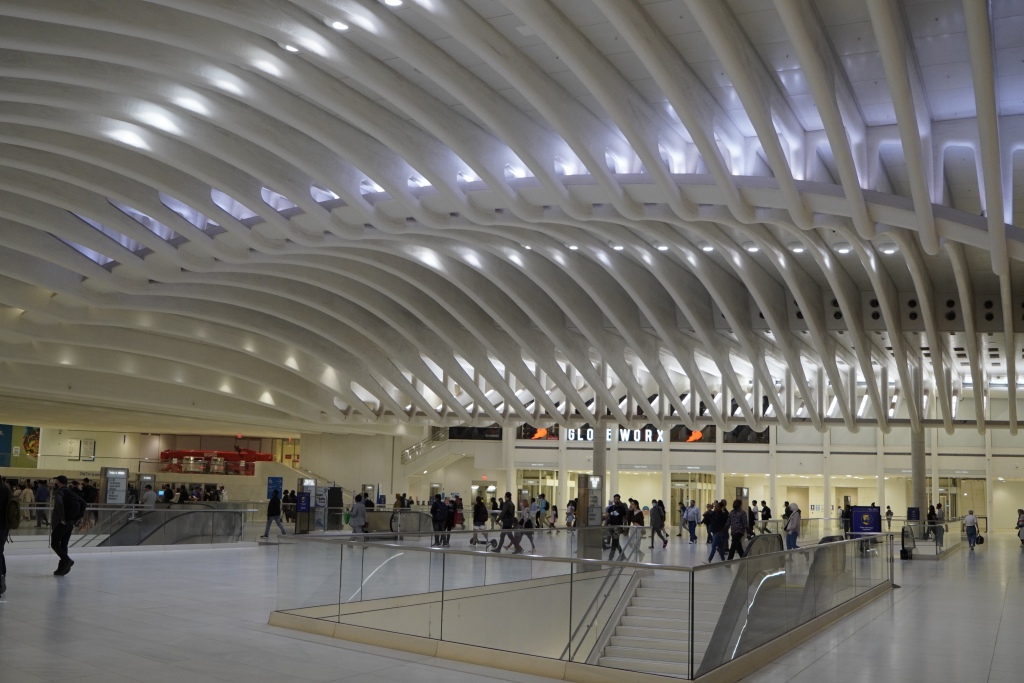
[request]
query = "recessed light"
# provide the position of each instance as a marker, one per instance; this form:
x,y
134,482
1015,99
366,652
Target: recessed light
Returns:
x,y
424,471
751,247
889,249
393,3
573,247
842,247
527,247
662,248
291,48
339,26
707,247
618,247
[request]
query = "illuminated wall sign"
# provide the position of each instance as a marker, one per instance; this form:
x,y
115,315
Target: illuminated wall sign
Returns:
x,y
625,435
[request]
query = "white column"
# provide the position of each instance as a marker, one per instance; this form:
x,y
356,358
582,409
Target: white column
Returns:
x,y
613,460
918,490
880,469
773,472
719,465
934,493
508,446
563,473
666,471
826,477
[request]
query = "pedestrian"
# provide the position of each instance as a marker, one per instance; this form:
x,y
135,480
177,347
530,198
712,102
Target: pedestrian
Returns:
x,y
5,500
792,527
766,515
738,527
526,517
692,517
658,524
274,514
149,498
507,518
68,510
1020,525
222,494
706,520
888,516
542,512
718,525
553,520
26,497
357,516
438,512
42,498
480,516
398,501
930,517
940,525
451,509
751,519
682,517
570,515
618,515
971,526
91,495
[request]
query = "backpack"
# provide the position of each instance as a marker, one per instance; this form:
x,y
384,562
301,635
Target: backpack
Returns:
x,y
74,507
13,513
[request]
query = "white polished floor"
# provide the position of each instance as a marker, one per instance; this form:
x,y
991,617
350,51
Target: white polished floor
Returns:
x,y
201,615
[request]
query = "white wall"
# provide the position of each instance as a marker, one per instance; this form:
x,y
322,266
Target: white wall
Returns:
x,y
112,449
354,460
1007,497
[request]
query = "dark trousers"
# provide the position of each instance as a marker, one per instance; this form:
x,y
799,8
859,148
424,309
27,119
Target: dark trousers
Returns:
x,y
59,538
438,526
42,517
508,533
737,545
718,542
615,532
3,543
446,539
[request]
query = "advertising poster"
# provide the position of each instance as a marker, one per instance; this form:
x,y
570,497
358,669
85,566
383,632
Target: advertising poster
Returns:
x,y
19,446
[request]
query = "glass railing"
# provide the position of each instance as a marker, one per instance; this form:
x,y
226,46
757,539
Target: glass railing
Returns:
x,y
631,616
436,438
118,526
934,538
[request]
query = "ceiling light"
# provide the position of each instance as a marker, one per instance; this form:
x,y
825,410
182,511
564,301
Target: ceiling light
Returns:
x,y
573,247
339,26
842,247
662,248
424,471
796,248
527,247
889,249
751,247
291,48
393,3
618,247
707,247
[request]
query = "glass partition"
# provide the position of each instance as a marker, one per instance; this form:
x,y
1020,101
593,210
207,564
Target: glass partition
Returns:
x,y
628,616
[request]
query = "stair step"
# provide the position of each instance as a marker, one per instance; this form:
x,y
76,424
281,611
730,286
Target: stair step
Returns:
x,y
645,666
672,624
699,614
635,643
653,655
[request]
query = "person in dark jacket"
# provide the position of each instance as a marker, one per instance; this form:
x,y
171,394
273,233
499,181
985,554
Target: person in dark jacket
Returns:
x,y
42,498
5,499
274,514
706,520
61,524
738,528
719,527
507,517
480,516
438,514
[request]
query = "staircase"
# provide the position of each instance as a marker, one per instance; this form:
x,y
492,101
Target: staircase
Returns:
x,y
653,634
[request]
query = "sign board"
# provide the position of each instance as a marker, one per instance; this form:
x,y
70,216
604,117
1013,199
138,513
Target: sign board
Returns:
x,y
914,514
274,484
115,484
865,520
88,449
302,502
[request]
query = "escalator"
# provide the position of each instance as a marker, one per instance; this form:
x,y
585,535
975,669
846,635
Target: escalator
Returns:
x,y
171,526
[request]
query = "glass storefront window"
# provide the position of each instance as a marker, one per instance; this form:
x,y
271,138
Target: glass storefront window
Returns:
x,y
683,434
548,433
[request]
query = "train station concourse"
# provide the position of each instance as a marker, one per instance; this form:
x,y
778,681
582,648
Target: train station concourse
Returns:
x,y
682,251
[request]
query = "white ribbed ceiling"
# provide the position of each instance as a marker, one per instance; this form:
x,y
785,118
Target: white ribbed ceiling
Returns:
x,y
322,215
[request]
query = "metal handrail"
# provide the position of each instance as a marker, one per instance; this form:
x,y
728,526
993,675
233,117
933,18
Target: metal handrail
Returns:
x,y
601,595
421,448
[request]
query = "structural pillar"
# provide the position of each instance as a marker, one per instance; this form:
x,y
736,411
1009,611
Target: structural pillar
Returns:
x,y
918,472
508,447
613,461
563,495
601,457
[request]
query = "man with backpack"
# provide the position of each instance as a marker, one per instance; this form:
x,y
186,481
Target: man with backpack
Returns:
x,y
68,510
438,517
